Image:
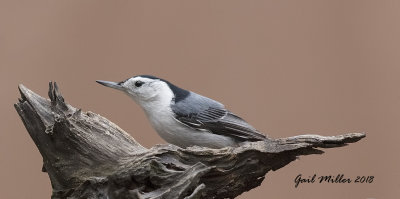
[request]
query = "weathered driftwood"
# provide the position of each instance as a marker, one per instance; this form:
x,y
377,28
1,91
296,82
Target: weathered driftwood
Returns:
x,y
87,156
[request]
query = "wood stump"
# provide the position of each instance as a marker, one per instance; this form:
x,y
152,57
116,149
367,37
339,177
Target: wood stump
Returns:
x,y
88,156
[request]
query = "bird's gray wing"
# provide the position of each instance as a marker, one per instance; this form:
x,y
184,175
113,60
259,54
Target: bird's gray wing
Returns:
x,y
203,113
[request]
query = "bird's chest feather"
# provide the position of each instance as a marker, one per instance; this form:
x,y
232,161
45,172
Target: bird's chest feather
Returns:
x,y
158,110
160,116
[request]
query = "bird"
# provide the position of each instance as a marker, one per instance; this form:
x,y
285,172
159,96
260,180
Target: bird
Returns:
x,y
185,118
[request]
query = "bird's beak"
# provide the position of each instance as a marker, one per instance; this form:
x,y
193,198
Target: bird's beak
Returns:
x,y
110,84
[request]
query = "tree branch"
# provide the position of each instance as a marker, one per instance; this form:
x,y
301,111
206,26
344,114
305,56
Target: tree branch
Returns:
x,y
87,156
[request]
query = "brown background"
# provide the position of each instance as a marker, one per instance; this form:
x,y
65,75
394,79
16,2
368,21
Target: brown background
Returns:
x,y
287,67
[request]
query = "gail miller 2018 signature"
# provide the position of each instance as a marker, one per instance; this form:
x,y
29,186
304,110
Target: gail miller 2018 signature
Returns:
x,y
332,179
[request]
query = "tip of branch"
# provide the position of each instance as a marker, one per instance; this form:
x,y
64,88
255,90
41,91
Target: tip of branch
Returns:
x,y
29,96
23,92
325,141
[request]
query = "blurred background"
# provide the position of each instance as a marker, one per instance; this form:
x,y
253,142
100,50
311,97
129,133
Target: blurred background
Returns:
x,y
287,67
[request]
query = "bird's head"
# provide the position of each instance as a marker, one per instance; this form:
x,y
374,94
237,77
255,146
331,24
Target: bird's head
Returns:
x,y
143,89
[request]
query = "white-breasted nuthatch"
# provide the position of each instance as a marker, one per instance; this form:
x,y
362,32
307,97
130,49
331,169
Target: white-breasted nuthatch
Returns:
x,y
185,118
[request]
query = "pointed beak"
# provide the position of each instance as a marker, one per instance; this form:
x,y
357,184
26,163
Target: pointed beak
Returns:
x,y
110,84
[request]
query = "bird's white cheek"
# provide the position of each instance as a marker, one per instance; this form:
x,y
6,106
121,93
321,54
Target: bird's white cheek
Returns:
x,y
146,94
137,95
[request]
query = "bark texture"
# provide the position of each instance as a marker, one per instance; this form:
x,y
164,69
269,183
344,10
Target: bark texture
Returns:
x,y
88,156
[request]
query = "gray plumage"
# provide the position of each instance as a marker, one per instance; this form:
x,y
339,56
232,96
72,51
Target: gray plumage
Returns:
x,y
203,113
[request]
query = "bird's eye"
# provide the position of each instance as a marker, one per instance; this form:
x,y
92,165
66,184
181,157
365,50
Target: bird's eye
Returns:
x,y
139,83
